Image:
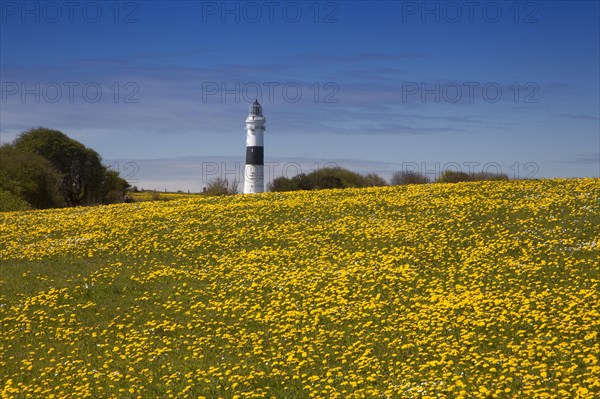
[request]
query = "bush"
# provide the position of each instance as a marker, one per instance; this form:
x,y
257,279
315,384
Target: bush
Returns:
x,y
220,186
451,176
10,202
113,187
325,178
84,180
404,177
489,176
284,184
30,177
374,180
332,178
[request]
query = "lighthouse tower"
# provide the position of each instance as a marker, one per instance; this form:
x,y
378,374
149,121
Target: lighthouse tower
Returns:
x,y
254,176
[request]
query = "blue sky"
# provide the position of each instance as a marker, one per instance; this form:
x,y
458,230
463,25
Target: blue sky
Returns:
x,y
161,89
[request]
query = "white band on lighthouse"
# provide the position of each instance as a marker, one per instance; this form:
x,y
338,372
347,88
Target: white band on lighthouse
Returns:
x,y
254,170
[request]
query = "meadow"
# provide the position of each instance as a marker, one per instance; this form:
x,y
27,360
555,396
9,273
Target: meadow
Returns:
x,y
147,195
467,290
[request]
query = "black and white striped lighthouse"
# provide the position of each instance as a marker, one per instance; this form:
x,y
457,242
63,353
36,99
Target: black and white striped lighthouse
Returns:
x,y
254,174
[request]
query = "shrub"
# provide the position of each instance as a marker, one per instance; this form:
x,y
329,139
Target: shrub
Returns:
x,y
374,180
84,180
284,184
403,177
451,176
10,202
221,186
30,177
489,176
326,178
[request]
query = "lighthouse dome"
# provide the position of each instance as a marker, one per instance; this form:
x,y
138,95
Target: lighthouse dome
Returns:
x,y
256,109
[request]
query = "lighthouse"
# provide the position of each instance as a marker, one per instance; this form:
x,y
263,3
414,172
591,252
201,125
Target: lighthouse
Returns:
x,y
254,176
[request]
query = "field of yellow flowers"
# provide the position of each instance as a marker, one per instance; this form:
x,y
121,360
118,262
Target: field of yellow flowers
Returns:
x,y
468,290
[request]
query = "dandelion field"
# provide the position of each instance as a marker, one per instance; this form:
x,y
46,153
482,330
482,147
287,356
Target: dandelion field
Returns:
x,y
473,290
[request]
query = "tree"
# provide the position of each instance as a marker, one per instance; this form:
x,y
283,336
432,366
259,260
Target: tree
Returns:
x,y
85,181
30,177
403,177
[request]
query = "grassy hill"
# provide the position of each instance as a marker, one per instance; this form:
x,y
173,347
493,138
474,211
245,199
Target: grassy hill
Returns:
x,y
478,290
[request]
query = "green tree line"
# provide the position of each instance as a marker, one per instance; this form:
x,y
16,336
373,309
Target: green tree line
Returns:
x,y
337,177
44,168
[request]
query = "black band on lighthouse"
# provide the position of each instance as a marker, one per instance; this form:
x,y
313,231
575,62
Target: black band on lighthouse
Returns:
x,y
255,155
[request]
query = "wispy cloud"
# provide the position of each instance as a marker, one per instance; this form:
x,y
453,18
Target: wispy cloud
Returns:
x,y
173,99
578,116
583,159
361,57
136,59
